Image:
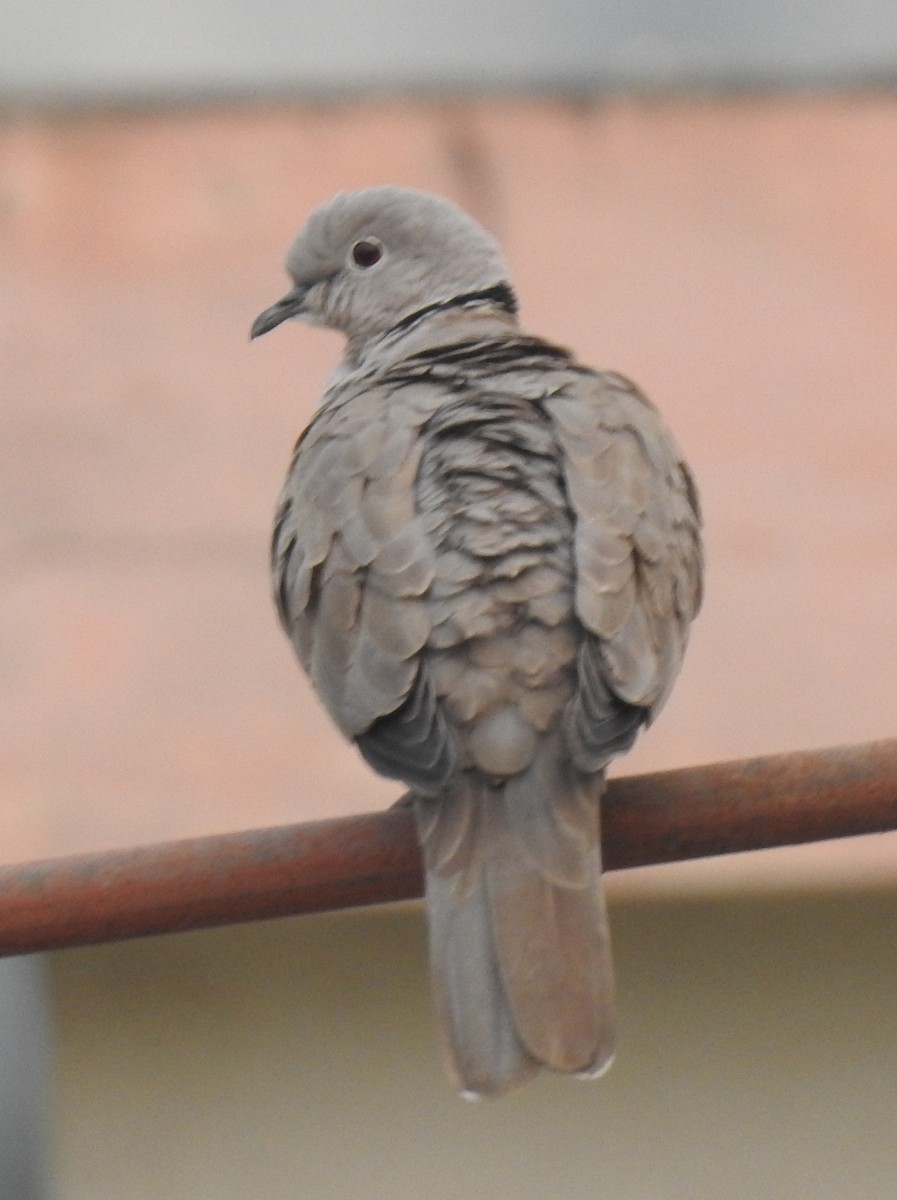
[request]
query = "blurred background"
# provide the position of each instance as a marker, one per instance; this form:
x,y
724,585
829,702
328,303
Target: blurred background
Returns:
x,y
699,195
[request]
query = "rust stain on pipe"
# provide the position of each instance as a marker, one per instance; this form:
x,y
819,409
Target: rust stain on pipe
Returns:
x,y
752,804
323,865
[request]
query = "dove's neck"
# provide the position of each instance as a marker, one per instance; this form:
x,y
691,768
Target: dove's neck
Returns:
x,y
486,312
499,296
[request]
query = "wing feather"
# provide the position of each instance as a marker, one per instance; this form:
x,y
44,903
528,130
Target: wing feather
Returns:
x,y
352,566
637,556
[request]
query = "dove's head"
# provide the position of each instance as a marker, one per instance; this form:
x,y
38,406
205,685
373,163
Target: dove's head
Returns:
x,y
368,259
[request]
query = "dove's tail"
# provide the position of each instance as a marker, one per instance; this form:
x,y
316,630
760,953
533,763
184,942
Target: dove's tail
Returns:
x,y
519,944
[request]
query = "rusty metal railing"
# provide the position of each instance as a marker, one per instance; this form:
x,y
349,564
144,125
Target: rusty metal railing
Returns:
x,y
753,804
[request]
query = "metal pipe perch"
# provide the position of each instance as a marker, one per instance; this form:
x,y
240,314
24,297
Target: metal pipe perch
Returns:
x,y
781,800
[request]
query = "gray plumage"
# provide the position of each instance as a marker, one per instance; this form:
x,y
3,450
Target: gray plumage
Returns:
x,y
487,558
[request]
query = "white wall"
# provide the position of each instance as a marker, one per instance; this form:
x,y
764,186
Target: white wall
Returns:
x,y
758,1059
24,1079
105,48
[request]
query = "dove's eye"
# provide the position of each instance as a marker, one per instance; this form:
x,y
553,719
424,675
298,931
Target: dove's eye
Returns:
x,y
367,252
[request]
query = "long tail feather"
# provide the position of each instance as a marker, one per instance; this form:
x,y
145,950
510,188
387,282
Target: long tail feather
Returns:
x,y
519,943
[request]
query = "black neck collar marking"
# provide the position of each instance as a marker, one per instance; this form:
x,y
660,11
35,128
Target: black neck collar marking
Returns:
x,y
500,294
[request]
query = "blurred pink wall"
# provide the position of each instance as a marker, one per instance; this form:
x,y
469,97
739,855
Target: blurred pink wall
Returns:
x,y
737,257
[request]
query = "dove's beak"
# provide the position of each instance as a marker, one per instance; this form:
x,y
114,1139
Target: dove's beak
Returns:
x,y
291,305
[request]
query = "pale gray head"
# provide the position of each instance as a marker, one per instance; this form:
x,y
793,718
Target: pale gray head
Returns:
x,y
366,260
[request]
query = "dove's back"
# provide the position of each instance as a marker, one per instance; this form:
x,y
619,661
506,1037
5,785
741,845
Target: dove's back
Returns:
x,y
487,558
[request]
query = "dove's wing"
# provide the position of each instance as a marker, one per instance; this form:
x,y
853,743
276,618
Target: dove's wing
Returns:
x,y
637,557
352,564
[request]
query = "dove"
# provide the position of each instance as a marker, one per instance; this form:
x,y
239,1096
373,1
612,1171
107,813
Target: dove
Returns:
x,y
487,557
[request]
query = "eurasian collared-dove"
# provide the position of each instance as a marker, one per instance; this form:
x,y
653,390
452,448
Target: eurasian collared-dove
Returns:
x,y
487,557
